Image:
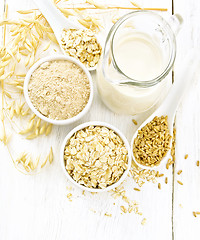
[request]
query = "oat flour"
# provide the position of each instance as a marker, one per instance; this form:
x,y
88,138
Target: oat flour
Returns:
x,y
59,89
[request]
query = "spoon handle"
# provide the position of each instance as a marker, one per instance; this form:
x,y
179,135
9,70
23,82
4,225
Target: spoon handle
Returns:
x,y
54,17
181,84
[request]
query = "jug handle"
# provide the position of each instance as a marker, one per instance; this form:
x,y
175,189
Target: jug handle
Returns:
x,y
175,22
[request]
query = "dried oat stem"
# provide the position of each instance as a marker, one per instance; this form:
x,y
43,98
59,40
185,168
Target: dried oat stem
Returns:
x,y
4,138
80,9
117,7
48,157
26,35
26,161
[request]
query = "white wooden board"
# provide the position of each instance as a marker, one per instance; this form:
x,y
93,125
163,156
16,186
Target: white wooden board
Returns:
x,y
36,207
186,226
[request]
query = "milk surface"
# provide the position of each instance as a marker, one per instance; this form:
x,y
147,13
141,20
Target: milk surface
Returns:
x,y
138,56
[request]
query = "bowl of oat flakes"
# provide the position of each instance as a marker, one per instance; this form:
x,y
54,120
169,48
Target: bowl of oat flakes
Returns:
x,y
59,89
95,156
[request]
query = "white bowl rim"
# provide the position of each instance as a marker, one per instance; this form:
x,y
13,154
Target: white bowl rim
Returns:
x,y
52,58
103,124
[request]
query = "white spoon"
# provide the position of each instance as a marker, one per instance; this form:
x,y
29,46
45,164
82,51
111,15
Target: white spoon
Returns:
x,y
58,22
171,102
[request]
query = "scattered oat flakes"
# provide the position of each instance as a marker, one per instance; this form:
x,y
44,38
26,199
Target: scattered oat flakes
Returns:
x,y
92,210
197,163
130,209
93,193
108,214
186,156
69,188
144,221
159,186
132,205
69,196
141,175
124,210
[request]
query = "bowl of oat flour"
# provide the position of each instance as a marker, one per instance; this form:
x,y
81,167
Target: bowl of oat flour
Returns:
x,y
59,89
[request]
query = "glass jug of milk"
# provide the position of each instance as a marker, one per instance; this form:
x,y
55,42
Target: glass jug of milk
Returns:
x,y
139,53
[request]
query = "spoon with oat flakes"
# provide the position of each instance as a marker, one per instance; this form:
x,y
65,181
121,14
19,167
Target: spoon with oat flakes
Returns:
x,y
152,141
74,39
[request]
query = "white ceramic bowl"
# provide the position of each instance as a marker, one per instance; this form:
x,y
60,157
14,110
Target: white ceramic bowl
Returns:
x,y
82,126
58,122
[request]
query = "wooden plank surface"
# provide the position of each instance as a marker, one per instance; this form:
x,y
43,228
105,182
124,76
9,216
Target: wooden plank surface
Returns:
x,y
45,211
36,207
186,226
